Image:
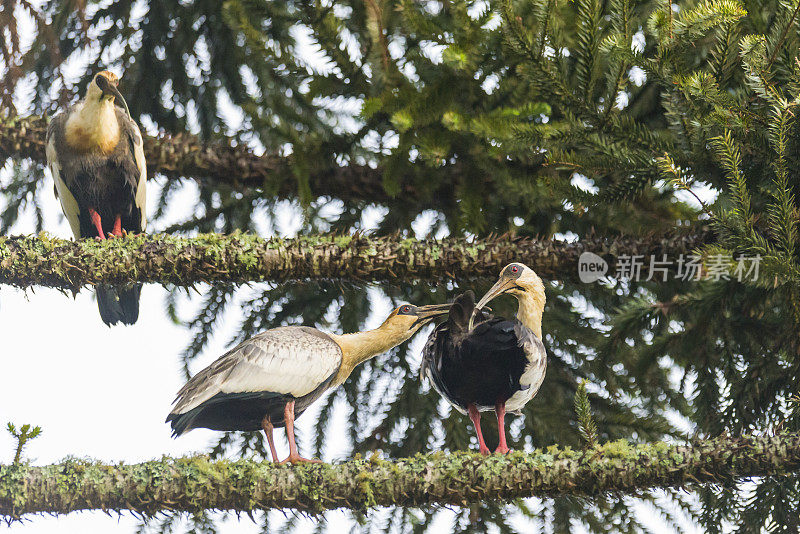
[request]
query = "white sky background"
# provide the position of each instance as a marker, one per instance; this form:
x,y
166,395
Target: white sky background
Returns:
x,y
103,393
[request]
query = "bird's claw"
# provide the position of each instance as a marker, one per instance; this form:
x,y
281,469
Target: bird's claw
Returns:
x,y
297,459
485,451
502,450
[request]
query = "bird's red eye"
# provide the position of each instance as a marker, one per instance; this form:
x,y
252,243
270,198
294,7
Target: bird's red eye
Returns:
x,y
514,269
405,309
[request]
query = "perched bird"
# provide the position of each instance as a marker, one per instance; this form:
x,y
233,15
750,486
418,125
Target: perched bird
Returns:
x,y
270,379
497,364
96,157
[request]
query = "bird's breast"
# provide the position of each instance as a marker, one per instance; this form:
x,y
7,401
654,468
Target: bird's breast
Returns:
x,y
93,128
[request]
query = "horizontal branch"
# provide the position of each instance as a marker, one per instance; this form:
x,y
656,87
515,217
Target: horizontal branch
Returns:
x,y
194,484
240,258
220,163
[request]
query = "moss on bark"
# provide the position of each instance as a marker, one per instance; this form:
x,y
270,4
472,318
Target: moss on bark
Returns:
x,y
239,258
196,483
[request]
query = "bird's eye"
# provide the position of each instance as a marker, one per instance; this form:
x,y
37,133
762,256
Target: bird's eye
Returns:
x,y
515,269
405,308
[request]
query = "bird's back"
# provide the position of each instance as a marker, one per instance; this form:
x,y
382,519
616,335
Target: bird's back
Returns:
x,y
490,363
442,355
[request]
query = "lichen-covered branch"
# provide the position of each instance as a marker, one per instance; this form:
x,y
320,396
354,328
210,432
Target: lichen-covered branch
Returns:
x,y
239,258
194,484
185,156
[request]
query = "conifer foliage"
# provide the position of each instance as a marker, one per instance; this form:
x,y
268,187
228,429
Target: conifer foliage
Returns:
x,y
537,118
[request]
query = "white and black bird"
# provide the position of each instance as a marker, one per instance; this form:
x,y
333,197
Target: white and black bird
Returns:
x,y
496,364
270,379
96,157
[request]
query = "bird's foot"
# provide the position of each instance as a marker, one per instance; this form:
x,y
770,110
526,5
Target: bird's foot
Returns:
x,y
117,230
484,450
502,450
297,459
97,222
117,233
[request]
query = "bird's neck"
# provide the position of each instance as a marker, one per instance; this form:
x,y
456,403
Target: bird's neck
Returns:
x,y
530,310
93,125
361,346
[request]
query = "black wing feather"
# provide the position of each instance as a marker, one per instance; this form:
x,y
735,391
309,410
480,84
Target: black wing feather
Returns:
x,y
481,366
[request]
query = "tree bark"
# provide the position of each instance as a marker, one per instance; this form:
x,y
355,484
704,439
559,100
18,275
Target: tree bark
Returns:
x,y
194,484
240,258
222,163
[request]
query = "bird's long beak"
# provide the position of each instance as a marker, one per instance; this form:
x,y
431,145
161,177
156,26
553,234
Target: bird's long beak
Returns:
x,y
428,313
502,285
118,96
111,89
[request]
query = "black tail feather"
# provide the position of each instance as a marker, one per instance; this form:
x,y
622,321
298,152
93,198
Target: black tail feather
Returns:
x,y
461,311
181,422
119,305
233,411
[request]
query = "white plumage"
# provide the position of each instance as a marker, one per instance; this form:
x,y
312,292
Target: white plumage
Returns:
x,y
141,187
533,376
68,203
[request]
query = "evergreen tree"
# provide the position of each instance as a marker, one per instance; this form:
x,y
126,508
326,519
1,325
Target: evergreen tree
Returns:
x,y
536,118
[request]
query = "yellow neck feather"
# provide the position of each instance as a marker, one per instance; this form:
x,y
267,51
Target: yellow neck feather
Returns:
x,y
93,126
531,308
361,346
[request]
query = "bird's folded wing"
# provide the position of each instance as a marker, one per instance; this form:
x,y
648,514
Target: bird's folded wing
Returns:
x,y
68,203
288,361
139,181
530,342
429,352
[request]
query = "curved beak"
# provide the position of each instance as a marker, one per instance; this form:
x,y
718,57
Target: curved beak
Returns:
x,y
109,88
426,314
502,285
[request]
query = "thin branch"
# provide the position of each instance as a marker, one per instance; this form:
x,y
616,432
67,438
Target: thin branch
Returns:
x,y
779,44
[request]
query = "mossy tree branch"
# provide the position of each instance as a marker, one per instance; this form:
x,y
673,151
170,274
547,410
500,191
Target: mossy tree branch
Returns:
x,y
194,484
239,258
236,166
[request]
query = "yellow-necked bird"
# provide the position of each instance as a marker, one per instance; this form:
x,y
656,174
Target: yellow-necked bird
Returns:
x,y
96,157
270,379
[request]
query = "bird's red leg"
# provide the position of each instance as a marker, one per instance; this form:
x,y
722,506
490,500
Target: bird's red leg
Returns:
x,y
475,417
500,410
266,424
97,223
288,416
117,231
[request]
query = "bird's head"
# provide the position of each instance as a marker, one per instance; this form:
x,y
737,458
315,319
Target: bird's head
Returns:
x,y
103,87
405,320
516,279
